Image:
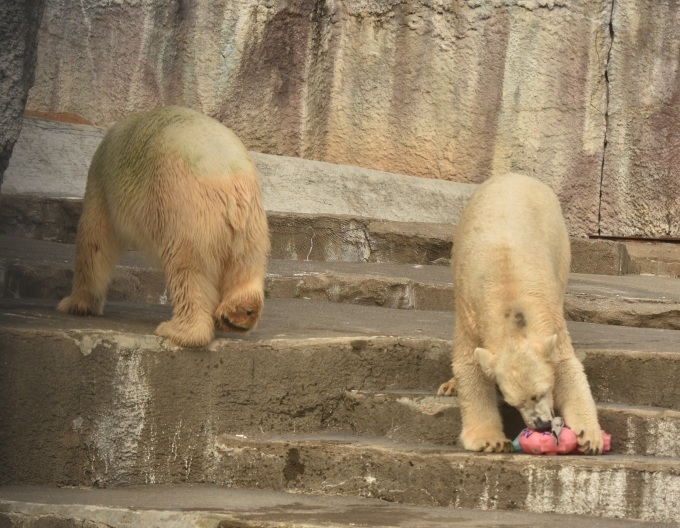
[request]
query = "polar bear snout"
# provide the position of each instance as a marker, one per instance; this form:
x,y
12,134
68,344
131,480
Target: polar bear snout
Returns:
x,y
537,421
541,425
538,417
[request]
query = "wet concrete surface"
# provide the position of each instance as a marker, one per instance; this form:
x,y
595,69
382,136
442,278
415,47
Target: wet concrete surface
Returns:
x,y
208,506
305,319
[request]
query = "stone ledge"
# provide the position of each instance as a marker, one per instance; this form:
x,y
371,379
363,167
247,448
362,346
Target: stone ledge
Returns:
x,y
617,486
345,238
205,506
41,269
410,417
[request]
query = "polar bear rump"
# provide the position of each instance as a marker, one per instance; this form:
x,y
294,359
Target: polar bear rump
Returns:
x,y
181,187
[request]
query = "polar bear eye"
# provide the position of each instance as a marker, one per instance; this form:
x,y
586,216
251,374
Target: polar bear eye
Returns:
x,y
538,398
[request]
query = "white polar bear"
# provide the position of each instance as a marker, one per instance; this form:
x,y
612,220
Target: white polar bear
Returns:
x,y
182,187
510,267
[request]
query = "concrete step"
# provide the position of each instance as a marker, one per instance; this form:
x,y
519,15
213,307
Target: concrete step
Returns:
x,y
324,237
51,158
41,269
205,506
424,417
405,349
101,401
609,486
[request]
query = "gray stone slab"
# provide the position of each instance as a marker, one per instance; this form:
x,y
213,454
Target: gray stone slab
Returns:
x,y
423,417
41,269
51,159
208,506
301,236
303,319
99,401
617,486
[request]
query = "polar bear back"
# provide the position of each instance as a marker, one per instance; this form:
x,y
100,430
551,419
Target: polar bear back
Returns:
x,y
135,148
511,240
175,170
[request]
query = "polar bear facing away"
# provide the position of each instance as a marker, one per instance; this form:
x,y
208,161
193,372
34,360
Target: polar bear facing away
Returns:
x,y
510,267
182,187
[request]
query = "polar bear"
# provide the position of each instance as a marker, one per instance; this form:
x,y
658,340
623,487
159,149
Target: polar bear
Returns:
x,y
510,266
182,187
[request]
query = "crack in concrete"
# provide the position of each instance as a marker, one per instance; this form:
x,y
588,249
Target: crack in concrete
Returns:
x,y
311,243
606,114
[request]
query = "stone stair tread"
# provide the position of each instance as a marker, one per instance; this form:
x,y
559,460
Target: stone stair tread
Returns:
x,y
357,442
647,287
394,394
632,286
207,506
283,319
610,485
630,300
350,238
306,319
425,417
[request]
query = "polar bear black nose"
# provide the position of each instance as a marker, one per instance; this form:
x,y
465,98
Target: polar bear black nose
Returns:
x,y
541,425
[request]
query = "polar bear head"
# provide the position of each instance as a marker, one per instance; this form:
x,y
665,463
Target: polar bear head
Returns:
x,y
525,374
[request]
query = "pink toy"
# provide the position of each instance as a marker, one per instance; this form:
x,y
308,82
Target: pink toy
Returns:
x,y
546,443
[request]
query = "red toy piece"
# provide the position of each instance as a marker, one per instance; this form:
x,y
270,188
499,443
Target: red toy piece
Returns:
x,y
536,443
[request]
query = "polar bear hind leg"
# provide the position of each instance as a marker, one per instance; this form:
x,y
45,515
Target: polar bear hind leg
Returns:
x,y
194,296
98,248
242,296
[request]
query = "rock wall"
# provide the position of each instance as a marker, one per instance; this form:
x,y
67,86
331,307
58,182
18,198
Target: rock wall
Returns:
x,y
19,24
450,89
641,178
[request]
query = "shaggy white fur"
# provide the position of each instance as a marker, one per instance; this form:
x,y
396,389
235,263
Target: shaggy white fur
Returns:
x,y
510,266
182,187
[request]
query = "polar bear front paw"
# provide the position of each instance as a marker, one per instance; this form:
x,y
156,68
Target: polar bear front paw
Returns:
x,y
589,437
492,442
448,388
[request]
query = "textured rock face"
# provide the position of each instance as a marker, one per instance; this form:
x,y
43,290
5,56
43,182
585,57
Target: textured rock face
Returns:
x,y
450,89
641,180
439,89
19,23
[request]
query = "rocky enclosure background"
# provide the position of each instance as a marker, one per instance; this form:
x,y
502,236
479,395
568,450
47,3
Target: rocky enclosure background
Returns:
x,y
19,23
583,94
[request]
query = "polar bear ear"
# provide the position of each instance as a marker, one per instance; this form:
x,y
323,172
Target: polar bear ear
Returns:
x,y
486,360
550,347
